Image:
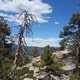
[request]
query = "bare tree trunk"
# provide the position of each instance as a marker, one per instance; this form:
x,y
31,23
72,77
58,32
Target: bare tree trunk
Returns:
x,y
16,58
77,61
23,27
18,52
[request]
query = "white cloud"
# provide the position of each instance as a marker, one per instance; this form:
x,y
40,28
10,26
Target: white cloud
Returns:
x,y
35,7
41,42
56,22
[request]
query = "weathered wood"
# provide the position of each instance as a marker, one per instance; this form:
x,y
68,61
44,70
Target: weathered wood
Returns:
x,y
24,27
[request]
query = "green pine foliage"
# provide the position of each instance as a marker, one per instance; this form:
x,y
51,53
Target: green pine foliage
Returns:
x,y
51,61
74,77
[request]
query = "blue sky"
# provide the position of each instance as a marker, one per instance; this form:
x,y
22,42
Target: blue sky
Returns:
x,y
62,11
47,31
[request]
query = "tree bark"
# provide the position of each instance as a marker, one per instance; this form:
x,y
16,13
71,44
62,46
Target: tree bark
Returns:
x,y
77,61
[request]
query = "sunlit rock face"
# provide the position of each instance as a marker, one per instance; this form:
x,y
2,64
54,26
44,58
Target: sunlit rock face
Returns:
x,y
27,79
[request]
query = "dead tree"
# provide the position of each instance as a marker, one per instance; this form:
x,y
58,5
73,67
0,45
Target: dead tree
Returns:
x,y
24,27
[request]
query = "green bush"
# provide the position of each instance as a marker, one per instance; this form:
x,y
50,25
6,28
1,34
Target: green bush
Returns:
x,y
74,77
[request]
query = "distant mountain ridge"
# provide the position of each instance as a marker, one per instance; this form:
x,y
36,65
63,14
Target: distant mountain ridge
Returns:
x,y
28,49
